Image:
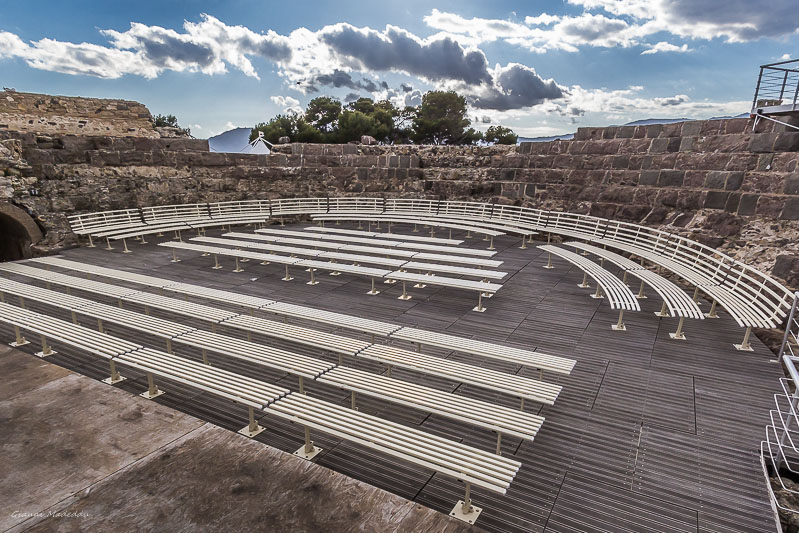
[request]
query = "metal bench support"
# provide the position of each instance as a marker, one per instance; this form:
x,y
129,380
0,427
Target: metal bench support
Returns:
x,y
404,295
464,510
308,450
46,349
619,325
745,346
679,335
115,376
152,389
712,313
479,308
252,429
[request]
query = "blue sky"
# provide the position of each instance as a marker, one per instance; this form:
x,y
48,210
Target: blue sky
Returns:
x,y
540,68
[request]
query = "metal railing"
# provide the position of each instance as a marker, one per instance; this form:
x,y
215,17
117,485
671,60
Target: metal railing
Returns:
x,y
779,453
777,88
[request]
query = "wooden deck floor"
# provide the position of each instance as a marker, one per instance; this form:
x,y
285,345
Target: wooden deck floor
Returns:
x,y
649,434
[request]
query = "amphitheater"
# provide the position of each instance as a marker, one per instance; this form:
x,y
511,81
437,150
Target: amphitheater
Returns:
x,y
564,336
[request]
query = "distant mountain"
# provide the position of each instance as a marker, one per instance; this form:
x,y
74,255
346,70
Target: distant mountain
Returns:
x,y
644,122
236,141
564,137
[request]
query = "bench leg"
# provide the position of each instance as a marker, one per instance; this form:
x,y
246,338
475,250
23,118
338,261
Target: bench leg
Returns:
x,y
619,326
238,268
432,231
360,224
679,335
464,510
152,389
416,228
641,295
450,233
169,346
352,401
696,295
308,450
46,349
252,428
287,277
108,244
388,371
584,284
479,308
524,243
19,339
143,240
745,346
74,318
404,295
662,313
178,236
549,266
125,247
624,277
100,325
598,293
313,280
499,443
373,291
712,313
174,257
302,385
91,242
335,272
491,243
115,376
205,357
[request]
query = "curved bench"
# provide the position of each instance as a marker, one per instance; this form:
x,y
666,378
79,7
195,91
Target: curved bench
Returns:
x,y
679,304
751,297
619,295
390,236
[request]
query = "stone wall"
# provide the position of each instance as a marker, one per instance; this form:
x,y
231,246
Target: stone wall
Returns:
x,y
41,113
714,181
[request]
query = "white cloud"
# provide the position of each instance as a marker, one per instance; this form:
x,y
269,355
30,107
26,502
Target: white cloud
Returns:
x,y
785,57
287,103
663,46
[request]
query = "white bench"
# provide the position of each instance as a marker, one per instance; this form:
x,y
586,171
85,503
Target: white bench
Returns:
x,y
550,363
238,243
79,337
158,327
449,269
237,254
476,222
301,335
250,392
369,241
675,299
619,295
366,325
71,282
402,220
472,466
187,289
345,268
456,283
389,236
520,387
259,354
501,420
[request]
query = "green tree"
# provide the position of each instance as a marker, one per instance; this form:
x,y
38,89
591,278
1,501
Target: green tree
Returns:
x,y
169,121
500,135
354,124
322,113
441,119
290,125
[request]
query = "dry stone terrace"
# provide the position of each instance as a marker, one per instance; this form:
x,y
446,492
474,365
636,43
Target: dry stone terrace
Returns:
x,y
648,434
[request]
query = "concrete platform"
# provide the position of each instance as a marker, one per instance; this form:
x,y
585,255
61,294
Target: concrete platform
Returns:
x,y
78,455
648,434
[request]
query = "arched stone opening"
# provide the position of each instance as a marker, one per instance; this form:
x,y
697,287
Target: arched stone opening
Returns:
x,y
17,232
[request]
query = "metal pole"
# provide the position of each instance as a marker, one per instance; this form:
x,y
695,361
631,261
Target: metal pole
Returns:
x,y
467,500
789,324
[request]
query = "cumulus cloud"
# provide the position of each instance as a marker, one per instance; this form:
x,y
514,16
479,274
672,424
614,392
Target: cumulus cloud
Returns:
x,y
395,49
735,21
663,46
515,86
287,103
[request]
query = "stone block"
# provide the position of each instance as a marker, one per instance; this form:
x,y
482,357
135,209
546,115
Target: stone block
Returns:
x,y
787,142
733,200
686,143
762,142
770,206
671,178
791,209
791,185
659,145
692,128
787,267
625,132
709,127
748,205
653,130
649,177
715,179
716,199
734,181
